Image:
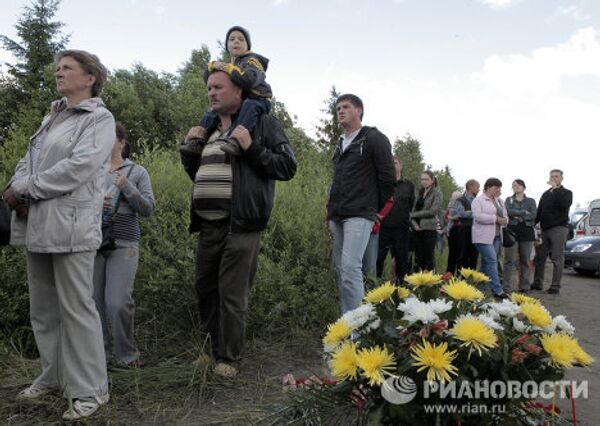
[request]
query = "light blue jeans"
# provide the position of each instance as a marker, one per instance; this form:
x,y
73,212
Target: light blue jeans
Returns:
x,y
350,240
489,262
369,263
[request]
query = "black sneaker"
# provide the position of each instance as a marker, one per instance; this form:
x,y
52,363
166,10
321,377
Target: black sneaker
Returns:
x,y
232,147
553,290
524,290
193,147
501,296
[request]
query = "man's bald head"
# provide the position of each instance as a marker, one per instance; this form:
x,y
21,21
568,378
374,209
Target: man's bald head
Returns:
x,y
224,96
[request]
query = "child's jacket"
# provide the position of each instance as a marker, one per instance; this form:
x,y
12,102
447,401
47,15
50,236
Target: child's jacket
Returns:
x,y
248,72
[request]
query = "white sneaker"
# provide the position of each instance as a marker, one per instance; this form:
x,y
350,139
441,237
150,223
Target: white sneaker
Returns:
x,y
33,392
85,407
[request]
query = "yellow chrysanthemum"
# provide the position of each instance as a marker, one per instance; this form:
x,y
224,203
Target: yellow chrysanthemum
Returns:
x,y
421,279
403,292
519,299
474,275
560,347
381,293
344,362
461,290
536,314
474,333
375,363
436,359
581,356
336,332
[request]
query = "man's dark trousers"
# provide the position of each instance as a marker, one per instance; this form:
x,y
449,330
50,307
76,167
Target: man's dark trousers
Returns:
x,y
225,267
397,239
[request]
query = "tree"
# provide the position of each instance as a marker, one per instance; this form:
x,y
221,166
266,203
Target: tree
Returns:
x,y
409,151
446,182
30,82
41,39
329,131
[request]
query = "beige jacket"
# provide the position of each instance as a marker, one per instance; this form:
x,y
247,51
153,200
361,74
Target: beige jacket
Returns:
x,y
66,191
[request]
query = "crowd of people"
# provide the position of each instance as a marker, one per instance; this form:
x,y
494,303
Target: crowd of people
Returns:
x,y
76,199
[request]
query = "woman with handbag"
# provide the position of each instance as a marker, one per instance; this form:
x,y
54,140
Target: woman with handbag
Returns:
x,y
424,221
128,194
489,217
521,221
56,197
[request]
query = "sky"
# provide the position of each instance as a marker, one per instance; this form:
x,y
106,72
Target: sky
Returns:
x,y
491,88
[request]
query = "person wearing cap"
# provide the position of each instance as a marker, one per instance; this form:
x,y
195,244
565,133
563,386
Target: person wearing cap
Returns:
x,y
247,70
521,220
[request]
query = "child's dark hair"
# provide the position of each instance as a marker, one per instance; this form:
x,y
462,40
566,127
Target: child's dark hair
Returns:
x,y
122,136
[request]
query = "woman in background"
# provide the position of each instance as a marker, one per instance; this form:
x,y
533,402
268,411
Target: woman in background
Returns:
x,y
128,194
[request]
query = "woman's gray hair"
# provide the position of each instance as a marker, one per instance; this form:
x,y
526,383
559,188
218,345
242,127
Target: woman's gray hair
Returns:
x,y
90,63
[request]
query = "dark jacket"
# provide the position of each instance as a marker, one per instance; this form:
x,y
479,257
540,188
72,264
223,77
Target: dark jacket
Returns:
x,y
268,158
553,209
521,212
404,200
363,176
248,72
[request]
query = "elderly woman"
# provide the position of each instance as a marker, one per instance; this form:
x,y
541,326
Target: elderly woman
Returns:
x,y
57,193
521,220
489,216
424,221
128,194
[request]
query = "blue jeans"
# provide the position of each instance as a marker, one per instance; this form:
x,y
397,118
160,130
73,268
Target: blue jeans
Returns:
x,y
489,262
369,263
350,240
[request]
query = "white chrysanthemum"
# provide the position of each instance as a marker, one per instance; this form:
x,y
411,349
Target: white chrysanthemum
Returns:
x,y
490,322
439,306
415,310
506,308
374,325
358,317
562,324
519,325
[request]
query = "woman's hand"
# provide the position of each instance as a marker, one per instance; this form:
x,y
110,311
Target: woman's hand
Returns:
x,y
501,220
120,181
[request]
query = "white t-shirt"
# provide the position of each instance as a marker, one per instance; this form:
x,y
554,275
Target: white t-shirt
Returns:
x,y
347,140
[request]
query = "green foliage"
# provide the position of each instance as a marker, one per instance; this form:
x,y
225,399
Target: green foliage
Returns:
x,y
329,130
40,39
446,182
294,279
409,151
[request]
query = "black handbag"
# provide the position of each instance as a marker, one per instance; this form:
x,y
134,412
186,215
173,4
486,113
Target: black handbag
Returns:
x,y
108,237
5,216
509,238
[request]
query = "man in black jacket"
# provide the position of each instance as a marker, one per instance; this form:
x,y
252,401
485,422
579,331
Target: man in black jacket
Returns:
x,y
363,181
394,233
553,217
231,204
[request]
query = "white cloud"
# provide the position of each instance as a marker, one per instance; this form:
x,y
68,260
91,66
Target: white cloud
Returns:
x,y
514,118
574,11
159,10
280,2
540,73
499,4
